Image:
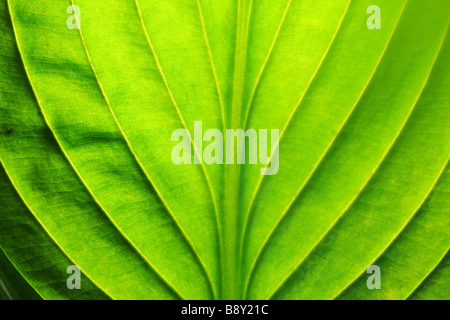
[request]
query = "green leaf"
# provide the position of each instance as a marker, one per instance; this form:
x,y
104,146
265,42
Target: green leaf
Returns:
x,y
87,178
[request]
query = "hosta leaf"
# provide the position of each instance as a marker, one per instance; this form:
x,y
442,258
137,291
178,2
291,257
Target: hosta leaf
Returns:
x,y
87,178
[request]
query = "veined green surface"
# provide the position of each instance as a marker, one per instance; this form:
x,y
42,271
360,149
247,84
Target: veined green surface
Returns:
x,y
86,176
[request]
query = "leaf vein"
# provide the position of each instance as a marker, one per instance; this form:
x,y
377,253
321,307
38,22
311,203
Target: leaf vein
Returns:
x,y
374,171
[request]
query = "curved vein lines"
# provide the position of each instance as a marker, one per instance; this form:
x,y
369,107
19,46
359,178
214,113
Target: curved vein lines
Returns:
x,y
240,60
249,105
263,68
141,166
400,231
76,170
328,148
428,274
261,179
195,148
300,102
213,67
46,230
252,201
377,167
213,197
178,112
222,108
231,266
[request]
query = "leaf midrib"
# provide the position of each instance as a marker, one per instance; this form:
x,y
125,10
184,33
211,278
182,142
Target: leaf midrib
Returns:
x,y
231,282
